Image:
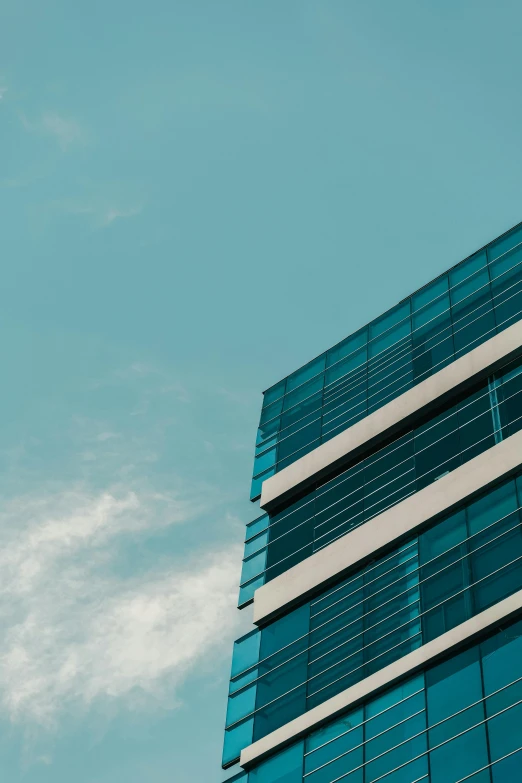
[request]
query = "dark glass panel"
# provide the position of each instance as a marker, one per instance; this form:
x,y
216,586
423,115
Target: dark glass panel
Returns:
x,y
294,443
303,392
432,346
246,652
452,687
508,770
506,287
437,447
235,740
476,424
274,393
346,347
472,308
299,377
510,399
431,293
284,767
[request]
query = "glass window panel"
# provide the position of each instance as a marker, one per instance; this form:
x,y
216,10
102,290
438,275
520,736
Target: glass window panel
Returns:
x,y
256,526
246,652
255,544
257,483
266,444
392,697
339,755
271,411
305,373
253,566
510,399
505,243
347,366
327,734
405,708
501,658
284,631
343,767
496,503
235,740
428,314
476,424
389,319
432,346
301,414
472,312
303,436
347,347
466,290
274,393
264,461
467,268
241,704
506,286
443,536
304,391
460,757
284,767
389,338
267,432
407,750
437,448
429,293
273,716
489,564
508,770
246,592
451,687
504,732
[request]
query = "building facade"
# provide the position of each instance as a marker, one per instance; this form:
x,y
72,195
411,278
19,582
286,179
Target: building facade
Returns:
x,y
385,572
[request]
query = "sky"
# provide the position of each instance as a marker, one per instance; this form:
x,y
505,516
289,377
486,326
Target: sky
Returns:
x,y
196,198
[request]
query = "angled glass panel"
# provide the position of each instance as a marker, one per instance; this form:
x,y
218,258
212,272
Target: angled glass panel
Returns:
x,y
305,373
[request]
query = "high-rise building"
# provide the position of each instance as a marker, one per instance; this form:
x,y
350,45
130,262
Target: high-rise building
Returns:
x,y
386,569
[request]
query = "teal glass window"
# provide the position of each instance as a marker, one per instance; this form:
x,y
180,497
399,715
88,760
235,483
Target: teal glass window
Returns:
x,y
459,720
456,433
447,318
458,566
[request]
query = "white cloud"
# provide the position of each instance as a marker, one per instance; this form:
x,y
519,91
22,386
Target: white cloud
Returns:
x,y
75,630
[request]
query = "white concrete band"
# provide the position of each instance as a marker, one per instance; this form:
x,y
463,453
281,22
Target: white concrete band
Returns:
x,y
395,414
379,533
407,665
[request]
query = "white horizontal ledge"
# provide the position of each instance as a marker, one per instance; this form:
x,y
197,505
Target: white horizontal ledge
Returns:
x,y
405,666
395,414
372,537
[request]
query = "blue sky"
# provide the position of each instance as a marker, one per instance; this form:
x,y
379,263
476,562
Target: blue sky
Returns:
x,y
196,198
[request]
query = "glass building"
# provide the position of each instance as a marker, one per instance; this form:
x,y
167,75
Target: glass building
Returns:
x,y
384,569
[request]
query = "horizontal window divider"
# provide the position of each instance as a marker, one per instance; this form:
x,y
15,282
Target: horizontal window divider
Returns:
x,y
409,337
462,352
412,456
416,618
362,724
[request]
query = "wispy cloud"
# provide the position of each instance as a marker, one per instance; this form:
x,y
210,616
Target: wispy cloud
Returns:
x,y
74,630
115,213
65,131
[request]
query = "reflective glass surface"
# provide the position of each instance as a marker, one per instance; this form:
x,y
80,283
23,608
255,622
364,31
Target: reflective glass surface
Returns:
x,y
460,720
450,316
462,564
413,459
